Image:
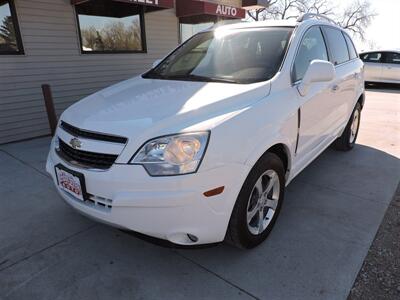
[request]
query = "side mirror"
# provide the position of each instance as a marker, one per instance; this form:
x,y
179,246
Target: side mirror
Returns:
x,y
156,63
318,71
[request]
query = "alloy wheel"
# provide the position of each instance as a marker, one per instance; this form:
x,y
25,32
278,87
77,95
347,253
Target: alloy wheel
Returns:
x,y
263,202
354,126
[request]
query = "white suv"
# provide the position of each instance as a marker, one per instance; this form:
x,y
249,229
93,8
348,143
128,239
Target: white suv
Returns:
x,y
200,148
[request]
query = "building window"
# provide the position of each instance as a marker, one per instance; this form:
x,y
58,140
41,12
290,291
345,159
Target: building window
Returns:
x,y
189,30
107,27
10,37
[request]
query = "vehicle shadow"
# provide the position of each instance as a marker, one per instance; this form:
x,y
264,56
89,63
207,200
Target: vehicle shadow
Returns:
x,y
331,214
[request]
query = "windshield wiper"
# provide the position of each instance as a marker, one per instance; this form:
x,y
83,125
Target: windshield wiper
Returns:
x,y
193,77
152,75
189,77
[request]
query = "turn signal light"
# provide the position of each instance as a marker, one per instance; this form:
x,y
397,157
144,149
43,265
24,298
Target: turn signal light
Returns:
x,y
214,192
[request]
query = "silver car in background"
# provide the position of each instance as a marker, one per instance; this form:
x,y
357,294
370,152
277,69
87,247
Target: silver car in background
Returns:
x,y
382,66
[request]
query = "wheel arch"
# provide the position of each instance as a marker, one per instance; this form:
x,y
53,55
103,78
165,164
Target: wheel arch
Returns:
x,y
361,100
281,150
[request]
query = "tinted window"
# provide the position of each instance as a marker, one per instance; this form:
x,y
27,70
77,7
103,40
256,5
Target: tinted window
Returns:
x,y
312,47
10,40
350,45
337,46
392,58
110,29
239,56
374,57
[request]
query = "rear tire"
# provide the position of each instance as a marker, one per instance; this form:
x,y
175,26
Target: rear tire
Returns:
x,y
258,204
348,138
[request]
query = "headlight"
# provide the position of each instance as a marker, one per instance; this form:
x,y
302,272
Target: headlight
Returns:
x,y
173,155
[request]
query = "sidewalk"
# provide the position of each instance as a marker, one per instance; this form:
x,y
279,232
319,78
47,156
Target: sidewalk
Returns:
x,y
330,217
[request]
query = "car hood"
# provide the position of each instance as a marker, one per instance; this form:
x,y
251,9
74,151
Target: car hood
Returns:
x,y
139,106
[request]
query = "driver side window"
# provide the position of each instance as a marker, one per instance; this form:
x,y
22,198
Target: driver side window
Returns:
x,y
312,47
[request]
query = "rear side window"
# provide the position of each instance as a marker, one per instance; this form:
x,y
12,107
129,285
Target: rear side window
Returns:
x,y
312,47
392,58
374,57
337,46
350,45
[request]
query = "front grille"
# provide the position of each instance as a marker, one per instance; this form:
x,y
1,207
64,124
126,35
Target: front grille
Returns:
x,y
92,135
84,158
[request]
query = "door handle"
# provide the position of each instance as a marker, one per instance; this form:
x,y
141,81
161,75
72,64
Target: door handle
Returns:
x,y
335,88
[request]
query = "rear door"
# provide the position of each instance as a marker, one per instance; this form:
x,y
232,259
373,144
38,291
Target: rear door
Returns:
x,y
344,86
373,66
391,67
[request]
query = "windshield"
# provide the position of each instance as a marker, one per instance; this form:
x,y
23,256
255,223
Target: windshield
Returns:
x,y
233,56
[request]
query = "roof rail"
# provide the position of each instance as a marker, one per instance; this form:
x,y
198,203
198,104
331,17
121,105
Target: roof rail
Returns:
x,y
227,22
309,16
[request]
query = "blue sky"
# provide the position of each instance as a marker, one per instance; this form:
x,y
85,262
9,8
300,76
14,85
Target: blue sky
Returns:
x,y
4,11
99,22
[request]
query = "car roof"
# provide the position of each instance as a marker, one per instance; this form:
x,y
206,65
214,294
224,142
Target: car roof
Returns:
x,y
273,23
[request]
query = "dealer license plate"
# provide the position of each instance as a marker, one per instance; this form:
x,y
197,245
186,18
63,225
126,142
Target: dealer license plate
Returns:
x,y
71,183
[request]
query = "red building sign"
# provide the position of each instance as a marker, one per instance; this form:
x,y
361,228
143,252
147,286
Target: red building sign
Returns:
x,y
187,8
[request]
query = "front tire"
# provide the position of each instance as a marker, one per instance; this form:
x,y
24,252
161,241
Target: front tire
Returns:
x,y
348,138
258,204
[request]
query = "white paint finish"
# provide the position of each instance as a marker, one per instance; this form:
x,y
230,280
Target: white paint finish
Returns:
x,y
52,55
382,71
244,119
142,109
391,73
176,202
373,71
318,71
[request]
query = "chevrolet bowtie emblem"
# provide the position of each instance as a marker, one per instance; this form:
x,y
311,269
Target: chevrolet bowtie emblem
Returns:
x,y
75,143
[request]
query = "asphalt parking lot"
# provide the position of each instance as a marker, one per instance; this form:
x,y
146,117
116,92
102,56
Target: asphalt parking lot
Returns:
x,y
328,222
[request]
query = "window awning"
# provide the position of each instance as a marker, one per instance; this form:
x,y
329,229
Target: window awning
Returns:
x,y
192,10
150,5
255,4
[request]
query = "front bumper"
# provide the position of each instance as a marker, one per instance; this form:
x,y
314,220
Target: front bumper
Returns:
x,y
169,208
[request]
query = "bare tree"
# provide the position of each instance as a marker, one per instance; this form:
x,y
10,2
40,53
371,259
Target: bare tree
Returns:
x,y
357,17
257,13
284,9
278,9
8,39
113,36
322,7
89,37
